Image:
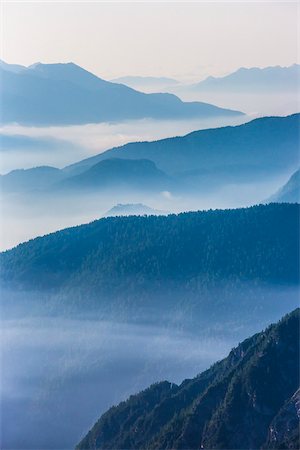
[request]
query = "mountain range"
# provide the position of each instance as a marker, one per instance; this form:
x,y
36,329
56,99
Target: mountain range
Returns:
x,y
249,400
261,147
269,79
274,79
196,163
64,94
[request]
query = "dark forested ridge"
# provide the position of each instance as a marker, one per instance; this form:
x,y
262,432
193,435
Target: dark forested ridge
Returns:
x,y
284,429
128,257
245,401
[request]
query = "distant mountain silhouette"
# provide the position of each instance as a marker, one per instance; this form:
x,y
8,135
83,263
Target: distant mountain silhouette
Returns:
x,y
249,400
198,162
22,180
290,192
16,68
254,79
116,173
62,94
257,149
132,209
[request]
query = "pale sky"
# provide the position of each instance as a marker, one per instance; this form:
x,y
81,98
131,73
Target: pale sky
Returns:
x,y
183,40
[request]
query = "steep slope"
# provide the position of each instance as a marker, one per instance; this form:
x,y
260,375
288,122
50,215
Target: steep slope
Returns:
x,y
269,79
62,94
284,429
290,192
231,405
264,146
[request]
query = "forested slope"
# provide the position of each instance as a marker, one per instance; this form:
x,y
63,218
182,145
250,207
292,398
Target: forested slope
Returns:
x,y
234,404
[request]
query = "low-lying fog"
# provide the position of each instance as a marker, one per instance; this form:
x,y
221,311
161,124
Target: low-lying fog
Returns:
x,y
59,375
252,103
89,140
23,217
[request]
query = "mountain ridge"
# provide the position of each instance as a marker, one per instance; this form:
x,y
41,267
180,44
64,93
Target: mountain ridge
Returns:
x,y
212,410
162,151
254,78
64,94
162,260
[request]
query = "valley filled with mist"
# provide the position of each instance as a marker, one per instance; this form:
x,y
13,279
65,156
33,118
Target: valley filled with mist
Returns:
x,y
148,226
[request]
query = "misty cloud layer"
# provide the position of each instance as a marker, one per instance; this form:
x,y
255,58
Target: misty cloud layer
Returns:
x,y
64,373
89,140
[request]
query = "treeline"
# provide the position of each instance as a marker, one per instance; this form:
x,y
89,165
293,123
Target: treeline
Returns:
x,y
259,243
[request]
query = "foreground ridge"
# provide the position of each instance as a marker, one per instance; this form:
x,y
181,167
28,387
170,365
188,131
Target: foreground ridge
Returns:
x,y
248,400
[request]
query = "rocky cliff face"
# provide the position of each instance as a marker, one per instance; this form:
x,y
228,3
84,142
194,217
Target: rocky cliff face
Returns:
x,y
284,429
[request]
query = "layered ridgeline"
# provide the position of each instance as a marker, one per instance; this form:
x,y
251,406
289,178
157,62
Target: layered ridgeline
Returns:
x,y
249,400
202,261
115,173
274,79
251,80
63,94
205,160
260,148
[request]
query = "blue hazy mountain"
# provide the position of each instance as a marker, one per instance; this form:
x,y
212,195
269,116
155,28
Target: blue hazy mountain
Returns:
x,y
23,180
258,148
132,209
290,192
47,94
16,68
116,173
270,79
110,175
248,400
203,159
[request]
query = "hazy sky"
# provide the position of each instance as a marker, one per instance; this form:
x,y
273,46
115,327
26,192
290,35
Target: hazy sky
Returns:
x,y
183,40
